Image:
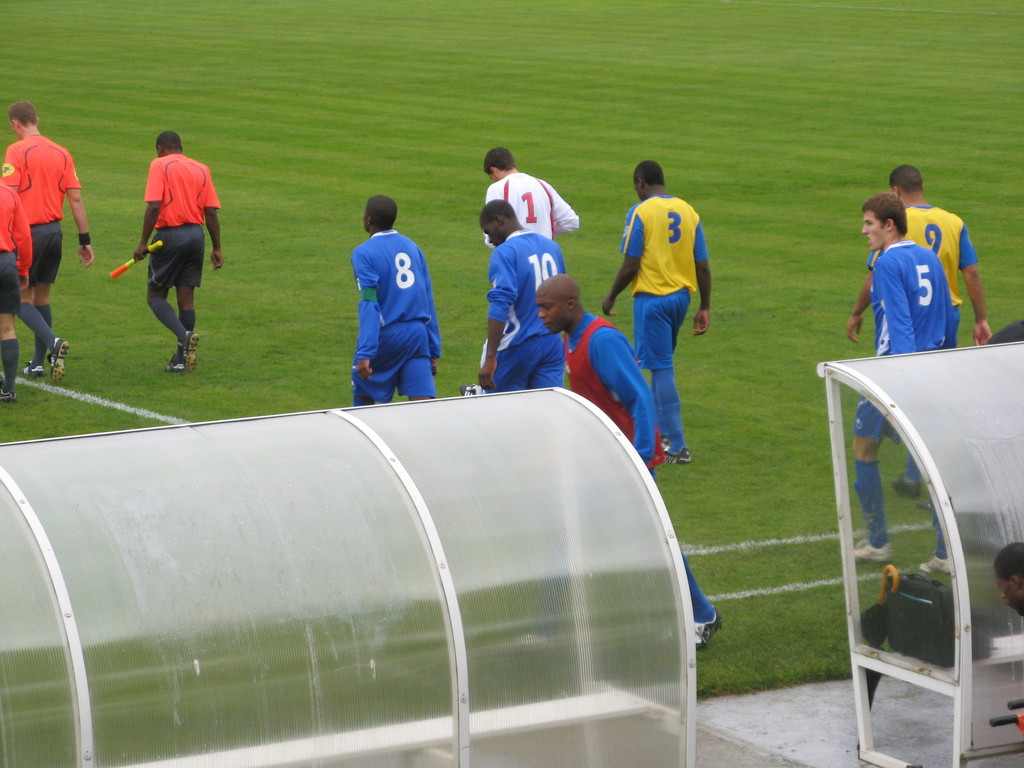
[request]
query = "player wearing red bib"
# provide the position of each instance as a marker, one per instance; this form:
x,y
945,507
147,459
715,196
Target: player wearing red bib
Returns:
x,y
603,369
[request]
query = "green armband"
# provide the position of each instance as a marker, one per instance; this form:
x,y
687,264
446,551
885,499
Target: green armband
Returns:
x,y
367,294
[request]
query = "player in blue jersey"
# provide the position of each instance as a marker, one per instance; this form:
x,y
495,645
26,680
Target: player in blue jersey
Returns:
x,y
913,313
399,340
520,353
946,234
602,369
665,260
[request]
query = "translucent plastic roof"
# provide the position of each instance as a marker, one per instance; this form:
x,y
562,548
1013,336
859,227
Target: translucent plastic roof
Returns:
x,y
431,582
961,413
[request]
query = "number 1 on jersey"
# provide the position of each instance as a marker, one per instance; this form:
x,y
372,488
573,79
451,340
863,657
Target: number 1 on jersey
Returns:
x,y
531,215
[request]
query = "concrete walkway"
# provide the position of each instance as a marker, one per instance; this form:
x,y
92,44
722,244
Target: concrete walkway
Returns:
x,y
814,726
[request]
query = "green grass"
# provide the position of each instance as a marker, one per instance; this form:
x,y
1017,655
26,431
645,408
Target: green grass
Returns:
x,y
775,120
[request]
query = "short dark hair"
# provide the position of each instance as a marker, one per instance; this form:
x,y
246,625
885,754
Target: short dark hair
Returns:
x,y
907,178
1010,561
885,206
382,211
500,158
650,173
169,140
23,112
497,208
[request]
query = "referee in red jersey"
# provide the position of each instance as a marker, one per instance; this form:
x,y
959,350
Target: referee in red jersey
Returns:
x,y
180,198
44,174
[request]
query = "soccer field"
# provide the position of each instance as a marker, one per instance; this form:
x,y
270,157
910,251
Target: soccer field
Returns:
x,y
774,119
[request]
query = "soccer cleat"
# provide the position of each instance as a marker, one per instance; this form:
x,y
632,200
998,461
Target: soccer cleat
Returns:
x,y
33,371
904,486
682,456
866,553
57,357
468,390
7,397
175,366
705,631
936,565
191,342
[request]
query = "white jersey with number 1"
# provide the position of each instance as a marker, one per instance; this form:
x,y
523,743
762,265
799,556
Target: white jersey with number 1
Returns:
x,y
538,206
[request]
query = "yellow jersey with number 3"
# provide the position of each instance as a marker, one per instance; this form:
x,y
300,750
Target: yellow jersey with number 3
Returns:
x,y
664,233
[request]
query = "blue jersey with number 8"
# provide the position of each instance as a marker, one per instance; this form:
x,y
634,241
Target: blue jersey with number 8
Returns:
x,y
394,287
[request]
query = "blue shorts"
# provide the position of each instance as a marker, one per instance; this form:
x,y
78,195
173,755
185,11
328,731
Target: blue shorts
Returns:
x,y
402,363
870,423
536,363
656,324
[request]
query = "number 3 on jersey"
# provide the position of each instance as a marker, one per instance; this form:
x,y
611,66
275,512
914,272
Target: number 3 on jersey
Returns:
x,y
674,232
543,267
404,277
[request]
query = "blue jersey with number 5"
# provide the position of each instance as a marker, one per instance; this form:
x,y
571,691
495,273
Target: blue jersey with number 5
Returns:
x,y
394,287
524,261
910,295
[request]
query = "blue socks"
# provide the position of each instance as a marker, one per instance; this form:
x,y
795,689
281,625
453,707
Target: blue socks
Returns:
x,y
667,406
703,611
868,484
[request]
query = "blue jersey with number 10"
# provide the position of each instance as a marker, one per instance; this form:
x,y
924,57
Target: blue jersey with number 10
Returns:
x,y
394,287
518,266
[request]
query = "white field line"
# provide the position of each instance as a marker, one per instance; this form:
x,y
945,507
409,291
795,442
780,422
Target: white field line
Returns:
x,y
801,586
94,400
887,9
746,546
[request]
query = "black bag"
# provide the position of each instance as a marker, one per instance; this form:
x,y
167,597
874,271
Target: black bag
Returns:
x,y
915,613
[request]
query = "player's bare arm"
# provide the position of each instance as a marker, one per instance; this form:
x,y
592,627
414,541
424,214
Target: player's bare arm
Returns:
x,y
494,330
702,319
856,320
148,224
213,227
629,269
976,293
85,253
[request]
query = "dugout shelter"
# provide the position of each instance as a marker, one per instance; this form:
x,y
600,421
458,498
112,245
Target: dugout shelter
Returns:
x,y
960,415
486,581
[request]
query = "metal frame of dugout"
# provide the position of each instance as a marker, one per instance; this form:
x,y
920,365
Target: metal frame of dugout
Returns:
x,y
960,414
490,580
